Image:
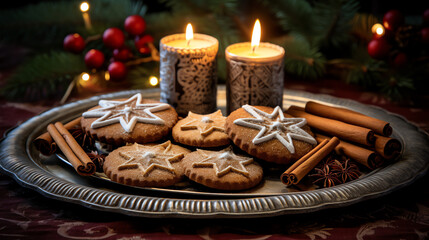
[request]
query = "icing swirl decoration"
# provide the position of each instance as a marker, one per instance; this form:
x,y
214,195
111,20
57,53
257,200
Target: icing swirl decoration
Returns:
x,y
206,124
275,125
149,158
223,162
127,113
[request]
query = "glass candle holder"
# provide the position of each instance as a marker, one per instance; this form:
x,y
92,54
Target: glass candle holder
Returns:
x,y
254,77
188,73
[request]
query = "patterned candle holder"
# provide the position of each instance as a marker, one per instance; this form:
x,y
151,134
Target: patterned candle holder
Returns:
x,y
188,73
254,78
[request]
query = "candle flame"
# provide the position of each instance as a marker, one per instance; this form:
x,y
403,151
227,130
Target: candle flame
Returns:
x,y
189,33
378,29
256,35
84,6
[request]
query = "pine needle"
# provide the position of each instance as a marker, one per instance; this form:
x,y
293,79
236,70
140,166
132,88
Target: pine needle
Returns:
x,y
45,24
301,59
334,21
45,75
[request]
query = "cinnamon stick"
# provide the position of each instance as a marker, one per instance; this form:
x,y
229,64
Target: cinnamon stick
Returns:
x,y
303,166
336,128
44,142
361,155
349,116
387,147
306,156
71,149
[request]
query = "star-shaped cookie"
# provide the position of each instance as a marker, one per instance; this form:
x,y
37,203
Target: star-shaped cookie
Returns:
x,y
127,113
205,124
149,158
197,130
223,162
275,125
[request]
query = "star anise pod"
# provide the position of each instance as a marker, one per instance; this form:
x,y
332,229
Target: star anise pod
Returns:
x,y
325,176
84,139
98,159
347,169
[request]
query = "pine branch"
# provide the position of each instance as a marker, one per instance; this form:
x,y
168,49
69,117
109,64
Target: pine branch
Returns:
x,y
361,27
301,59
139,75
333,21
44,25
45,75
294,16
398,88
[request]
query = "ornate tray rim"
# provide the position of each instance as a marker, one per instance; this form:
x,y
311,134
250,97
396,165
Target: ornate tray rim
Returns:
x,y
16,160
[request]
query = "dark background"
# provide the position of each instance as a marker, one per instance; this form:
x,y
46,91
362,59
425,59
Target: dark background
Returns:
x,y
378,7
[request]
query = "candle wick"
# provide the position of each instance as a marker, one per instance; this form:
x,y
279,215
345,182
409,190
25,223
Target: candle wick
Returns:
x,y
253,49
188,43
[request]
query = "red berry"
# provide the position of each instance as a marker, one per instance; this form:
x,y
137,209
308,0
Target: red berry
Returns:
x,y
426,17
117,70
122,54
74,43
141,43
425,35
113,38
94,58
378,48
393,19
135,25
400,60
147,38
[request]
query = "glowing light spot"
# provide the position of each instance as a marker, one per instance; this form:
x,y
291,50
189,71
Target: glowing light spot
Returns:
x,y
107,75
84,6
153,81
378,29
85,76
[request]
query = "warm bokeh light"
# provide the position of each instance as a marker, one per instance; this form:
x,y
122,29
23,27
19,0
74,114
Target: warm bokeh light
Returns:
x,y
107,75
378,29
85,76
153,80
84,6
189,33
256,35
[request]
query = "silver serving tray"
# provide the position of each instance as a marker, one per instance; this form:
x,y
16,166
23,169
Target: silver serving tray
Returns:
x,y
270,186
55,179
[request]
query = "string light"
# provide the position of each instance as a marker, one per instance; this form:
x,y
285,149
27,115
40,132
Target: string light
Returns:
x,y
107,75
378,30
84,6
153,80
85,76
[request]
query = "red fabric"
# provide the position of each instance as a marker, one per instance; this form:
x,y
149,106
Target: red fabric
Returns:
x,y
403,214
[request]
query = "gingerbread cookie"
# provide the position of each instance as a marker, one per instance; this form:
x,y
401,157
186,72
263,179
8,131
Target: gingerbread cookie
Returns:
x,y
122,121
146,165
269,134
201,130
222,169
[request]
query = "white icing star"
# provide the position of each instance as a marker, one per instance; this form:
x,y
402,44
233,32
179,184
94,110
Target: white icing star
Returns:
x,y
149,158
223,162
127,113
275,125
